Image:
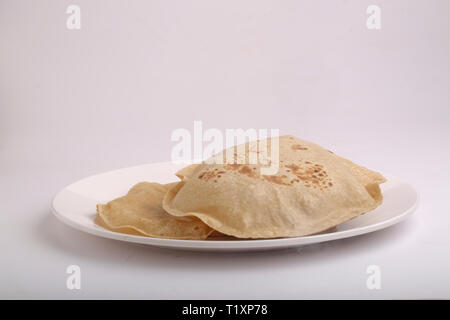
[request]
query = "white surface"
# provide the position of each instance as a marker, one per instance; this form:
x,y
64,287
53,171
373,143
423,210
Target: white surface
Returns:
x,y
75,205
74,103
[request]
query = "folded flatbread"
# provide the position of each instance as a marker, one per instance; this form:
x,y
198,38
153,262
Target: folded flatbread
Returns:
x,y
140,212
313,190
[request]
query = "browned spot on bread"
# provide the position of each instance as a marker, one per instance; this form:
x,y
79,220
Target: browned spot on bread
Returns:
x,y
309,174
242,168
210,174
293,167
232,166
275,179
207,175
298,147
247,171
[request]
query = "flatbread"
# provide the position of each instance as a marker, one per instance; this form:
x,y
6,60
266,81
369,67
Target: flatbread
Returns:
x,y
140,212
313,190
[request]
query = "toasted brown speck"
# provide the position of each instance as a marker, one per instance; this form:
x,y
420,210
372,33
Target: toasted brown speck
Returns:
x,y
298,147
275,179
293,167
232,166
207,175
247,171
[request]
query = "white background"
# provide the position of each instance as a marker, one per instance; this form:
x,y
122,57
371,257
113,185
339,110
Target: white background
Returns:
x,y
76,103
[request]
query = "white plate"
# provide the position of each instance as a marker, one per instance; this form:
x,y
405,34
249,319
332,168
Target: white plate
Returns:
x,y
75,205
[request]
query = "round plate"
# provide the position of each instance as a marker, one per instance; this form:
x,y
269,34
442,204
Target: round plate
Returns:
x,y
75,205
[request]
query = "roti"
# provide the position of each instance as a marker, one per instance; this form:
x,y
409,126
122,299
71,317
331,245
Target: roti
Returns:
x,y
311,191
140,212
